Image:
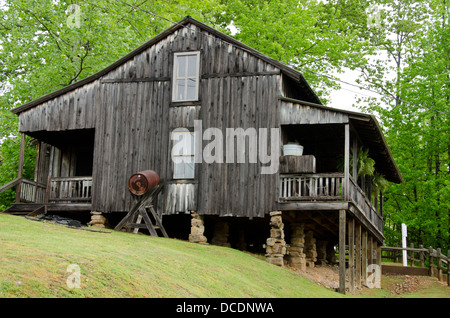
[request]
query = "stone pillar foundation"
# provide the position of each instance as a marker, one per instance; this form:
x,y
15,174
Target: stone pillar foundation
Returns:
x,y
98,220
197,228
297,257
276,245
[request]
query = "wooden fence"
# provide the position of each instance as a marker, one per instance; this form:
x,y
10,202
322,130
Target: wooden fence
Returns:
x,y
433,259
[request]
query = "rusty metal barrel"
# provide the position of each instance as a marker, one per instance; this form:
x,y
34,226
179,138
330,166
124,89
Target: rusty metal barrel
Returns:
x,y
140,183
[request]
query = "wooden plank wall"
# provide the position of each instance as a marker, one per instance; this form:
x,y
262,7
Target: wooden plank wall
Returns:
x,y
131,111
298,113
73,110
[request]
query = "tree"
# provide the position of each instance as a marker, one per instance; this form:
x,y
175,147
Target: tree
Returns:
x,y
312,36
414,35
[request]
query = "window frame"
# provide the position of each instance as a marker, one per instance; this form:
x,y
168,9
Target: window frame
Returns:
x,y
192,156
175,76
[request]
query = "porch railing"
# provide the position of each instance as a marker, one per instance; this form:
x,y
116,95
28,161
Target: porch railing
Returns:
x,y
327,186
32,192
57,189
27,190
359,197
69,189
311,186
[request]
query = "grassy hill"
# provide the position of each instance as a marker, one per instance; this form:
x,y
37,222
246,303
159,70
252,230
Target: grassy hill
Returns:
x,y
35,257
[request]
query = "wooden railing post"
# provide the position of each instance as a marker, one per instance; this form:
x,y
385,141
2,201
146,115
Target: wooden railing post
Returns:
x,y
422,257
395,253
448,268
430,255
411,255
439,263
48,190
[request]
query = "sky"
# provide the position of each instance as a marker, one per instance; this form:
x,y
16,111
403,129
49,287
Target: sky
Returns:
x,y
346,97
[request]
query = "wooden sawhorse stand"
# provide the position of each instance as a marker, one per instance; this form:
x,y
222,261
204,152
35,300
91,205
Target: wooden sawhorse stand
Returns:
x,y
144,203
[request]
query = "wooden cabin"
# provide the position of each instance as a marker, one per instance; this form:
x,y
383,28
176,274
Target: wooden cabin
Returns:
x,y
93,135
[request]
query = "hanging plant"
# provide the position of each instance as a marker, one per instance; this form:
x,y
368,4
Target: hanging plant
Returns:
x,y
379,183
364,164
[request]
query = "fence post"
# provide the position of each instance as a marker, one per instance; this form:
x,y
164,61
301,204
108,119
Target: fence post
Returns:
x,y
395,254
430,255
412,255
421,256
439,263
448,268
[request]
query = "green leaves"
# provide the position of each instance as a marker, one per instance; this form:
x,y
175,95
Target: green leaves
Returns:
x,y
310,35
415,40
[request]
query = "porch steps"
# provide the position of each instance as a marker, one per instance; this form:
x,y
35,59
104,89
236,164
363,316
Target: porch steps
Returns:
x,y
25,208
22,208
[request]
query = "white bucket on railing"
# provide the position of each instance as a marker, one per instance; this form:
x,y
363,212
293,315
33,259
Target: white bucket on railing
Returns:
x,y
292,150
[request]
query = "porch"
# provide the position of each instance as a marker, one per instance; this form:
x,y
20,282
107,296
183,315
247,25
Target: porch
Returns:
x,y
328,191
329,176
59,194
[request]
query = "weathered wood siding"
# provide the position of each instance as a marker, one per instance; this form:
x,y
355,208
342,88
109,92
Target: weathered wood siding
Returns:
x,y
132,113
73,110
298,113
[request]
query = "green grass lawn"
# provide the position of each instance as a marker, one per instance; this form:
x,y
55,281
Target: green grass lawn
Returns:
x,y
35,257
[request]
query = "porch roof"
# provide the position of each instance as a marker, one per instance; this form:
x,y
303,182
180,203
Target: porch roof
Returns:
x,y
371,135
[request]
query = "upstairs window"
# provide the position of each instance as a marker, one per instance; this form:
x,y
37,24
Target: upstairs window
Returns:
x,y
185,76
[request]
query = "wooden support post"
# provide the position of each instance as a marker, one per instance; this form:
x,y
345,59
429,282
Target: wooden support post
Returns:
x,y
411,255
347,162
358,254
369,260
374,260
351,254
21,155
381,204
364,261
378,262
342,224
355,159
20,169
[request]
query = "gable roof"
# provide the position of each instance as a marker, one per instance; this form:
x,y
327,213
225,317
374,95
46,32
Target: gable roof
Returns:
x,y
288,71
